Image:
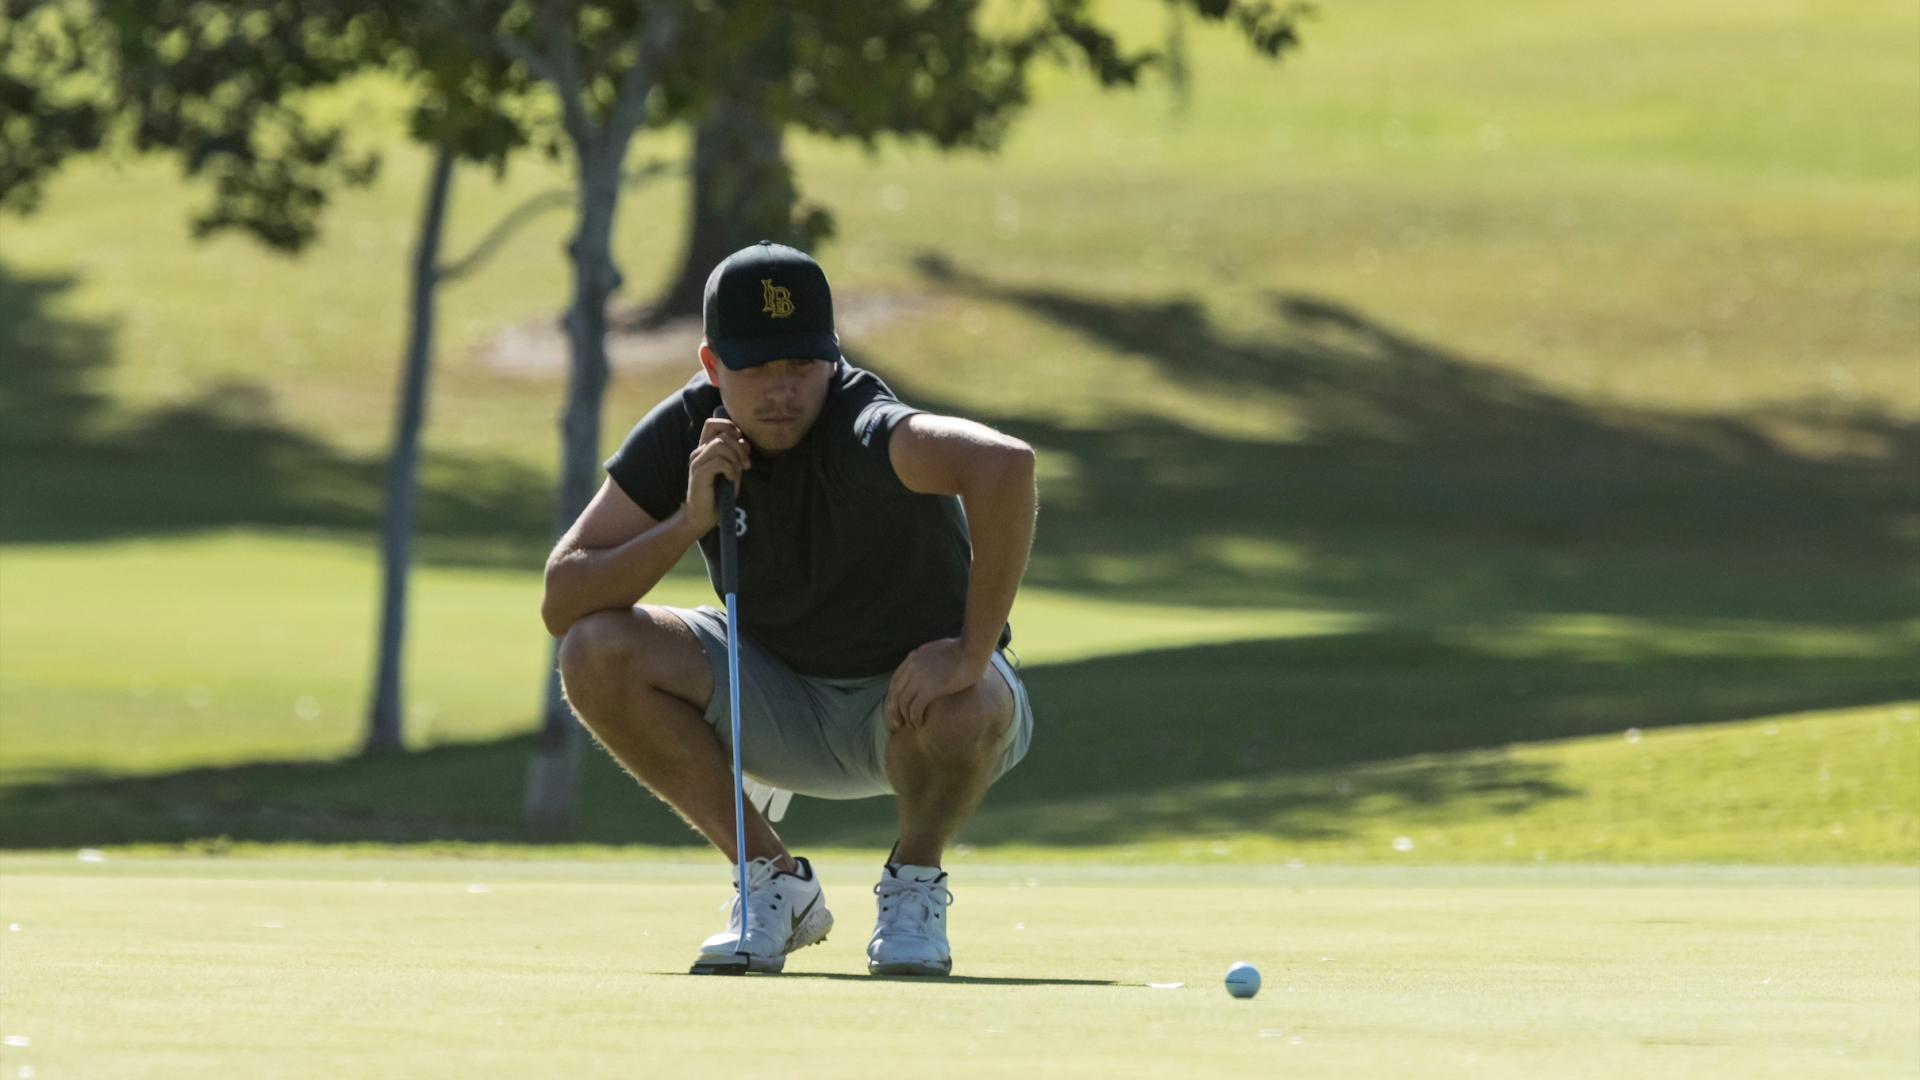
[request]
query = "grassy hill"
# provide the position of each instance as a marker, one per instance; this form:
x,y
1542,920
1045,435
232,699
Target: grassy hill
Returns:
x,y
1486,375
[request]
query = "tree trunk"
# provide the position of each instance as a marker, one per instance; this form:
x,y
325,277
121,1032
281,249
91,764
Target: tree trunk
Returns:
x,y
552,794
385,731
551,801
741,191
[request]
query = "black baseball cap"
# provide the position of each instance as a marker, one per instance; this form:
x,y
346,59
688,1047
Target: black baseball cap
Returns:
x,y
769,302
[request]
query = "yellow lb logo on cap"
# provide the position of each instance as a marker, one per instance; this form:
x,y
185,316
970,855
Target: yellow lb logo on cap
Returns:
x,y
779,299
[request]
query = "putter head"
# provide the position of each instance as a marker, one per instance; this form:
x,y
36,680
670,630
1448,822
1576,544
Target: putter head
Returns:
x,y
736,964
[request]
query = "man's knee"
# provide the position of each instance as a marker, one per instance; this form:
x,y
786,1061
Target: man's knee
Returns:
x,y
597,648
972,725
617,652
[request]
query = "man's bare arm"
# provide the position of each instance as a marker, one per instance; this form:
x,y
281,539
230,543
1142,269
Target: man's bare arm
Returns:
x,y
993,474
615,553
611,557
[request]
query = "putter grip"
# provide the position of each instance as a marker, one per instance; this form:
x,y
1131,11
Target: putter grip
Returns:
x,y
729,540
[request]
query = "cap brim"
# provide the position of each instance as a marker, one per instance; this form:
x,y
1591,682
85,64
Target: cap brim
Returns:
x,y
742,353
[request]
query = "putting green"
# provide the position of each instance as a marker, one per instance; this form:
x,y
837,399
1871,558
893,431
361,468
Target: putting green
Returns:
x,y
409,967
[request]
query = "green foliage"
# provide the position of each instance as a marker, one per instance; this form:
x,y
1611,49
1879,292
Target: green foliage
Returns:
x,y
224,85
217,84
227,88
52,98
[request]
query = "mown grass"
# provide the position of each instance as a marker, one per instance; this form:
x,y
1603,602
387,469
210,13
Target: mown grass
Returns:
x,y
402,967
1165,732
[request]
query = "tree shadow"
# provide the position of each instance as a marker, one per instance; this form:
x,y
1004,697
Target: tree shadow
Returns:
x,y
1417,481
1252,736
48,365
955,980
73,468
1261,736
1440,496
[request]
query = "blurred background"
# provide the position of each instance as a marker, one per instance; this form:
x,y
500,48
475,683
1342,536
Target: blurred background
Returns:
x,y
1477,432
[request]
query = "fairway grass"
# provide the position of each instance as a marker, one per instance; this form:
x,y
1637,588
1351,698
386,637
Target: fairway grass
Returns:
x,y
139,656
221,702
403,968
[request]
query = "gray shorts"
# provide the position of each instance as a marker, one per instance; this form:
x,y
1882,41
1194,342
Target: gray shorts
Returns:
x,y
819,737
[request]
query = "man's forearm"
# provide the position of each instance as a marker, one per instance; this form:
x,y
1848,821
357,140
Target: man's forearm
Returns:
x,y
1000,515
581,581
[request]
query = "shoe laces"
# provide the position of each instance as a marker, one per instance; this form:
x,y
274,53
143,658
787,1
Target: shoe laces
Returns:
x,y
911,907
765,903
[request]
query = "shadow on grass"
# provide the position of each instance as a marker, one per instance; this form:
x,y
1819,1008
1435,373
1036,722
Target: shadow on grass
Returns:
x,y
74,469
1249,736
1421,488
1416,481
955,980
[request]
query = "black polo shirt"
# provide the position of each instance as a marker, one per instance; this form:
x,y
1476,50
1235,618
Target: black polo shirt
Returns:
x,y
843,571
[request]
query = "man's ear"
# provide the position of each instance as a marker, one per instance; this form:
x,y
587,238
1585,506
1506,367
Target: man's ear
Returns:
x,y
709,360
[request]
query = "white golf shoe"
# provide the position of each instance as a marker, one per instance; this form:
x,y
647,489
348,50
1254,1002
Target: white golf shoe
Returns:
x,y
910,937
786,910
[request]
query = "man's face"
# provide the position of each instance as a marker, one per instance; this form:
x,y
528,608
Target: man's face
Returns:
x,y
775,404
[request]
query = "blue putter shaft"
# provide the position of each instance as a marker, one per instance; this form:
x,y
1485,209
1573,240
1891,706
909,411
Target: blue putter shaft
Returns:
x,y
730,584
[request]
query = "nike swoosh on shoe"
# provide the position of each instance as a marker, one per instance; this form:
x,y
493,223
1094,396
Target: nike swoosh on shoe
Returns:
x,y
795,918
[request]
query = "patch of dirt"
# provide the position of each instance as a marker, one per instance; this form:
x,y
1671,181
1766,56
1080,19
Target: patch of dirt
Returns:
x,y
538,349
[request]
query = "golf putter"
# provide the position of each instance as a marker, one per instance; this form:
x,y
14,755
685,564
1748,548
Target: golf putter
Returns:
x,y
738,963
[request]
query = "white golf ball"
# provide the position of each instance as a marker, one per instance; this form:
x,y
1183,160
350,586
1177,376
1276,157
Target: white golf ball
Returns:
x,y
1243,980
